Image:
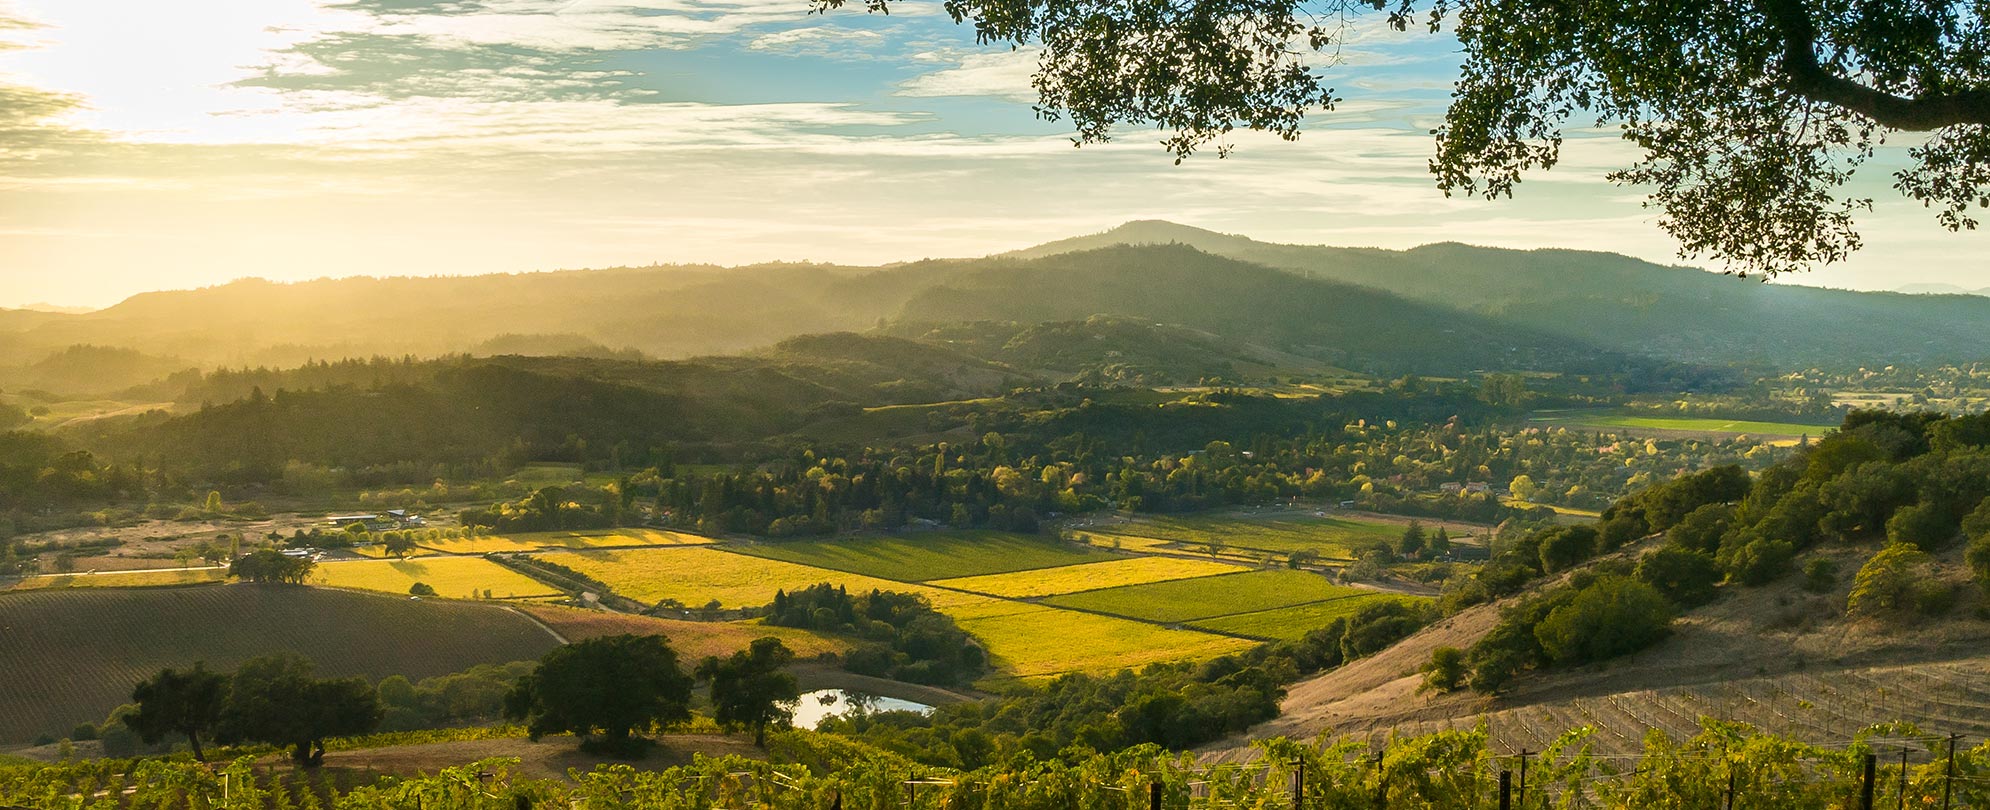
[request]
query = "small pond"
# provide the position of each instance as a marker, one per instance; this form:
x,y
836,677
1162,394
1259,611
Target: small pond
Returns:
x,y
815,706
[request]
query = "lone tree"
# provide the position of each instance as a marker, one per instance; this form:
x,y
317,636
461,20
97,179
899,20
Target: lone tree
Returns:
x,y
175,702
751,689
1751,116
277,700
611,685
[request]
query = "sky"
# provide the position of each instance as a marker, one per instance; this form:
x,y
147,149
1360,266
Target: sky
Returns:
x,y
158,145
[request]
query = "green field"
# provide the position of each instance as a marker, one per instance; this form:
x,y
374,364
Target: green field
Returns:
x,y
1026,640
1281,532
1033,641
539,541
695,575
1186,600
1089,576
452,577
930,556
1292,623
1685,424
122,579
69,656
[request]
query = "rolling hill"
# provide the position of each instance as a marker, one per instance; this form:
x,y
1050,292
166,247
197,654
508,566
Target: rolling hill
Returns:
x,y
71,656
1617,302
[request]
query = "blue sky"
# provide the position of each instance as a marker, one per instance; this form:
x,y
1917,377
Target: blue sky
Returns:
x,y
150,145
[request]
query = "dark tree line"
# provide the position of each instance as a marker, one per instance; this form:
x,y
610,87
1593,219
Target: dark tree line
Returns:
x,y
902,637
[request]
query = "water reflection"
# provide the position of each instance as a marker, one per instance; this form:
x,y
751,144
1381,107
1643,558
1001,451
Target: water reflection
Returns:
x,y
815,706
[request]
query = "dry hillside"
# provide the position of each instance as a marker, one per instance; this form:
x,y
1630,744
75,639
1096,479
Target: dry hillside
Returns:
x,y
1778,657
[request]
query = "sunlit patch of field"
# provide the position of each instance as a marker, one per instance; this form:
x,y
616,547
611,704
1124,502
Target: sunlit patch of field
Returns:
x,y
123,579
930,556
1280,532
453,577
1089,576
539,541
1033,641
697,575
1186,600
692,640
1292,623
1602,419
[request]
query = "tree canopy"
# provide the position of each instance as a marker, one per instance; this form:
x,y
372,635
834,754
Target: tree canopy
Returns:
x,y
1751,116
278,700
751,689
613,685
176,702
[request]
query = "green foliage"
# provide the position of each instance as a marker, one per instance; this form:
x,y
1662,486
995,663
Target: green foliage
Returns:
x,y
1820,575
611,685
1446,670
1895,581
750,689
1611,617
902,636
277,700
1684,576
188,703
271,566
422,589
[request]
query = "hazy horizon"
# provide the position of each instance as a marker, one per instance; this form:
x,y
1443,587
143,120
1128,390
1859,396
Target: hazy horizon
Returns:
x,y
153,148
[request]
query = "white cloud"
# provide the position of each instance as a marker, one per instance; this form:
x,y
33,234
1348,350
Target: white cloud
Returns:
x,y
820,42
998,74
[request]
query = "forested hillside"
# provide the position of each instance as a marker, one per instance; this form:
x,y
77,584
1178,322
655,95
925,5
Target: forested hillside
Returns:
x,y
1618,302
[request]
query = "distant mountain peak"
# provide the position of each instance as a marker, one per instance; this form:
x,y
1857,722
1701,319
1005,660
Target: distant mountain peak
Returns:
x,y
1142,232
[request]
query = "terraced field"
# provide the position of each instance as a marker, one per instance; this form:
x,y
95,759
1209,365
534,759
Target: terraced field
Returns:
x,y
1292,623
930,556
455,577
117,579
1089,576
1188,600
106,639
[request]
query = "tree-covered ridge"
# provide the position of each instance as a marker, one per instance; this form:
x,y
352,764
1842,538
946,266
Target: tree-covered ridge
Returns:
x,y
1917,483
902,636
1621,303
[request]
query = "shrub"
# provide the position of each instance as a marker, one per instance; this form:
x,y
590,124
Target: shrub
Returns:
x,y
1890,582
1923,525
1446,670
1819,575
1685,576
1613,616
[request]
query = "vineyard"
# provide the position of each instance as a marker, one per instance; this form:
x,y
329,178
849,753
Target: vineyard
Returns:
x,y
1271,531
930,556
692,640
1720,765
70,656
1291,623
1088,576
122,579
1184,600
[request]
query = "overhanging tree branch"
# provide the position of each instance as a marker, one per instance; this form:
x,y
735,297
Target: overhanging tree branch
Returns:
x,y
1808,78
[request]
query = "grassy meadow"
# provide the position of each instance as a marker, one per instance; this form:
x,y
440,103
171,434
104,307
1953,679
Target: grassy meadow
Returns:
x,y
1186,600
1682,424
696,575
452,577
1292,623
1035,641
1089,576
930,556
123,579
1280,532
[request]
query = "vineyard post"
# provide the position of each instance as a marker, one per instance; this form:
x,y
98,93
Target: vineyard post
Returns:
x,y
1948,781
1299,784
1523,778
838,803
1730,784
1505,790
1866,783
1381,784
1154,796
1903,777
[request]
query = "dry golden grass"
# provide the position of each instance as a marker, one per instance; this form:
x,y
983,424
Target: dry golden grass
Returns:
x,y
453,577
120,579
1033,641
692,640
698,575
1089,576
